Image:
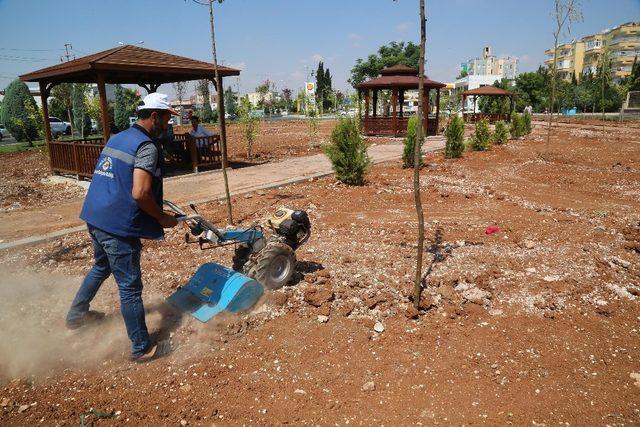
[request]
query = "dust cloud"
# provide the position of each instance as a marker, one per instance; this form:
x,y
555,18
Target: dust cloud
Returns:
x,y
33,336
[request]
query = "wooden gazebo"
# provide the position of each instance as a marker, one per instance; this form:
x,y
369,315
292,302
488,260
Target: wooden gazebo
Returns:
x,y
121,65
397,79
473,117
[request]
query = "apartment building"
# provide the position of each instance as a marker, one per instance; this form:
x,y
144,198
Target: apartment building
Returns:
x,y
485,71
580,57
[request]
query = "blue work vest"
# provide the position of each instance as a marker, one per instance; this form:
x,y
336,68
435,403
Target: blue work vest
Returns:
x,y
109,204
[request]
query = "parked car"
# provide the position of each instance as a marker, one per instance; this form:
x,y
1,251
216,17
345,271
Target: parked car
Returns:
x,y
4,133
59,127
94,126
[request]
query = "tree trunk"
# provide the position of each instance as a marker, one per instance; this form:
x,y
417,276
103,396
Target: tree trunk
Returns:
x,y
417,153
223,133
553,88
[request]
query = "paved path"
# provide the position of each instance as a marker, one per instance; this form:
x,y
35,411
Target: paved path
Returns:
x,y
27,227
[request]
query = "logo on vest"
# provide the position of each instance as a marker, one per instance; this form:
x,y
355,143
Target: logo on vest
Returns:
x,y
104,167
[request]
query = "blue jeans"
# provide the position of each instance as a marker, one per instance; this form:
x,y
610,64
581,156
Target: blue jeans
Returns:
x,y
120,256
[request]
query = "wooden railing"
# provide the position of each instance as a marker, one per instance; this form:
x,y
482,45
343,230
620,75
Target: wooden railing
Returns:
x,y
205,151
76,157
385,126
79,156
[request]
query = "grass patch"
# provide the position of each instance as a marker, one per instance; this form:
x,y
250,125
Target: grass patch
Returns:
x,y
20,147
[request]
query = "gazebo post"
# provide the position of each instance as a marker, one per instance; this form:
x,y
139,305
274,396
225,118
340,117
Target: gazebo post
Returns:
x,y
222,120
367,95
106,127
425,111
375,103
44,95
510,107
437,109
401,103
394,102
464,103
475,98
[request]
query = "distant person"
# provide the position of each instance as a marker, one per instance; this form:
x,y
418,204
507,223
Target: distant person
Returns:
x,y
528,109
122,206
199,131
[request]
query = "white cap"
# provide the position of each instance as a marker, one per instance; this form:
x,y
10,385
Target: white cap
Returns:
x,y
157,101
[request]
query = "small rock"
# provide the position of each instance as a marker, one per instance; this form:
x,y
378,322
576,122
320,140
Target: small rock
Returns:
x,y
299,391
186,388
528,244
369,386
636,377
5,402
318,296
324,273
476,296
378,327
183,422
412,312
322,318
619,261
23,408
531,270
551,278
248,196
496,312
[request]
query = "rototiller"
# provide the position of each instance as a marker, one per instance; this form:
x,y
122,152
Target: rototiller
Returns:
x,y
260,261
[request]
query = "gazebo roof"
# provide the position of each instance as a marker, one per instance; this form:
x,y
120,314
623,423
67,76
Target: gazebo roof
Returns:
x,y
487,91
399,77
129,64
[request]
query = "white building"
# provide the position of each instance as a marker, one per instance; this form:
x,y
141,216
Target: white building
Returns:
x,y
484,72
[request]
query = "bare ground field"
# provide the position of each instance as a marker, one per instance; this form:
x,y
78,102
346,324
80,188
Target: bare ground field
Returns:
x,y
538,323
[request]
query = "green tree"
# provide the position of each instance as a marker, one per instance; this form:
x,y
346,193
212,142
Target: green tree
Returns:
x,y
348,152
81,119
16,112
230,102
387,55
408,154
517,126
526,121
94,110
249,124
206,112
454,146
501,133
632,82
531,88
62,100
482,137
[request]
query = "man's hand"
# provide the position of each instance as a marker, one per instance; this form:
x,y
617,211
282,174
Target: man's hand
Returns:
x,y
167,220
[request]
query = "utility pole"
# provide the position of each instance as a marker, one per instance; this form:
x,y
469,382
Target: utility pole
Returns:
x,y
67,56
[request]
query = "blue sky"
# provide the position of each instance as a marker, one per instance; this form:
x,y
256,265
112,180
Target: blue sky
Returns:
x,y
282,40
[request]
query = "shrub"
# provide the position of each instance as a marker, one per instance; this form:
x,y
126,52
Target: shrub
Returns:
x,y
455,138
347,152
517,126
526,118
482,138
501,134
18,109
408,155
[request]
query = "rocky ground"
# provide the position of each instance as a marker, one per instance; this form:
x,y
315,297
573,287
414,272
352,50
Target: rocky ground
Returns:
x,y
530,315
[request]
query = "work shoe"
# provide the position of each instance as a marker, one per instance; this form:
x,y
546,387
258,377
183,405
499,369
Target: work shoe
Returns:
x,y
147,355
89,317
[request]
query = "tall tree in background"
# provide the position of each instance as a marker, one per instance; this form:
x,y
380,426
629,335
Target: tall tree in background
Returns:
x,y
220,93
230,104
63,93
126,102
19,112
205,93
180,88
387,55
604,74
566,12
81,119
